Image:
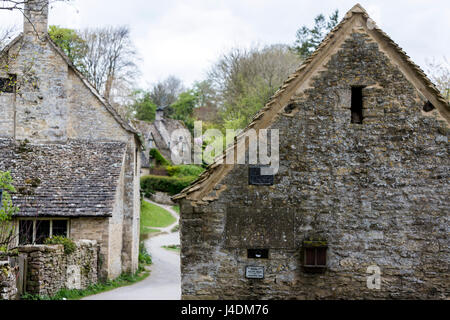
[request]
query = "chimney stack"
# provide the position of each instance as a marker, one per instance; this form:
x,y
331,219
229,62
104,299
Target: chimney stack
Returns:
x,y
36,18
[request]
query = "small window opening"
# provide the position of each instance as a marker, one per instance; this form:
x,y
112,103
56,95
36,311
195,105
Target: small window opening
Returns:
x,y
289,108
315,256
257,179
8,85
258,253
357,105
428,107
36,231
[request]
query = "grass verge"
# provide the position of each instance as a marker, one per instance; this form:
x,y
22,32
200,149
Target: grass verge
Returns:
x,y
154,216
173,248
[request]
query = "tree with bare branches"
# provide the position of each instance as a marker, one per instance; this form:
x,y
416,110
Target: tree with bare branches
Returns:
x,y
110,58
6,35
439,73
246,79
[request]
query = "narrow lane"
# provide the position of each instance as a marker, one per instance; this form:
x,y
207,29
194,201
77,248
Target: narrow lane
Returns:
x,y
164,282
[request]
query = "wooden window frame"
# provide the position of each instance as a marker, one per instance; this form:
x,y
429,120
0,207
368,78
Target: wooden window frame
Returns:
x,y
315,245
33,242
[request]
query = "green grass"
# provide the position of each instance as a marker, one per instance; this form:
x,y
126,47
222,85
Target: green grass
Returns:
x,y
154,216
176,228
146,231
176,209
173,248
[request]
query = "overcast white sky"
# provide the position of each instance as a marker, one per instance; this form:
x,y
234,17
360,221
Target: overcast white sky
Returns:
x,y
184,37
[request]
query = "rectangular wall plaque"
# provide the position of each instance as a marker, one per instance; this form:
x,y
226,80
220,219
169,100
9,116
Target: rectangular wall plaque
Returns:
x,y
252,272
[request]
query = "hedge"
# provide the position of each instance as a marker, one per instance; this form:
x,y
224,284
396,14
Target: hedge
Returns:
x,y
160,160
170,185
184,170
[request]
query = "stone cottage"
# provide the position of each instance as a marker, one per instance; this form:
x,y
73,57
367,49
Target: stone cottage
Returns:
x,y
169,136
74,161
359,206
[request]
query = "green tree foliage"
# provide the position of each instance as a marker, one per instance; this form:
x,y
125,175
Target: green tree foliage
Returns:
x,y
7,210
307,40
71,43
183,108
143,106
246,79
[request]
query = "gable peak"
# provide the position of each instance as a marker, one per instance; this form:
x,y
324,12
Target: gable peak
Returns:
x,y
357,8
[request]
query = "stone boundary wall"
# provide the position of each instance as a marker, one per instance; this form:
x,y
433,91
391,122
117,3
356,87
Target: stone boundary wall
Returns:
x,y
50,269
8,289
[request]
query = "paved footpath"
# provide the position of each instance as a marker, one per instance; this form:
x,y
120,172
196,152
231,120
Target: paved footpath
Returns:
x,y
164,282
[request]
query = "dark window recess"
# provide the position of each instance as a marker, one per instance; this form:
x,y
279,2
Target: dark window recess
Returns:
x,y
315,257
59,228
357,105
8,85
289,108
42,231
25,232
255,177
428,107
258,253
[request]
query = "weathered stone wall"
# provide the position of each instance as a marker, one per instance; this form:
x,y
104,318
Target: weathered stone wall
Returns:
x,y
49,269
8,289
131,211
96,229
377,192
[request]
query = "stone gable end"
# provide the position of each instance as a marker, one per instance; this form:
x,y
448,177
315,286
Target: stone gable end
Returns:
x,y
377,192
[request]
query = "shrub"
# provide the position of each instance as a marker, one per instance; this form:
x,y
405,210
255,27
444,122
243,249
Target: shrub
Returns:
x,y
170,185
69,245
160,160
184,170
144,257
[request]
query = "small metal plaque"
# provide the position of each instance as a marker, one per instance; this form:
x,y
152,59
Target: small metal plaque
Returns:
x,y
254,272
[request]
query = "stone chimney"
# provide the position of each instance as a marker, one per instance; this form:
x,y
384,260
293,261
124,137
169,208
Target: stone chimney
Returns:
x,y
36,18
159,114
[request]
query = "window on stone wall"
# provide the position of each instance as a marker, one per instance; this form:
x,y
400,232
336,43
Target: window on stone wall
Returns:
x,y
8,85
35,231
315,256
428,106
357,105
257,179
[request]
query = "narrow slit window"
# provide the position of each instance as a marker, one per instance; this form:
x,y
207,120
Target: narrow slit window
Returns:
x,y
258,253
357,105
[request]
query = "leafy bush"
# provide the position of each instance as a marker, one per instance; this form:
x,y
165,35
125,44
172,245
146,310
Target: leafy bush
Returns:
x,y
69,245
160,160
170,185
184,170
144,257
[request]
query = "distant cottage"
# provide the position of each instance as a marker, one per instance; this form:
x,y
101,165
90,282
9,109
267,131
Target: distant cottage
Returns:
x,y
169,136
74,161
359,207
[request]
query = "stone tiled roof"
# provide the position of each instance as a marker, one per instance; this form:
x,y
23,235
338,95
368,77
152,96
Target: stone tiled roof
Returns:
x,y
199,190
77,179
